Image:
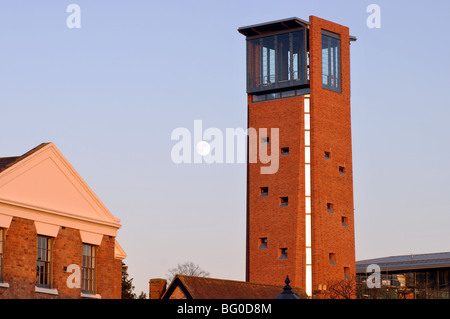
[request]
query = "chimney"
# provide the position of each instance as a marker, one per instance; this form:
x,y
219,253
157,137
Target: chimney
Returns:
x,y
157,288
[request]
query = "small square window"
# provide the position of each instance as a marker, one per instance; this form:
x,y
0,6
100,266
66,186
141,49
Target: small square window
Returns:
x,y
332,257
262,243
328,155
284,151
263,191
342,170
284,201
265,140
330,207
283,254
347,273
344,221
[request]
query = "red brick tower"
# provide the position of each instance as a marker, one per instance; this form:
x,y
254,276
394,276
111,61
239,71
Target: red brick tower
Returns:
x,y
300,218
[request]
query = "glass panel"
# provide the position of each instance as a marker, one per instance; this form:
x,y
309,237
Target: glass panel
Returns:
x,y
268,61
284,57
298,58
331,68
288,93
272,96
259,97
253,57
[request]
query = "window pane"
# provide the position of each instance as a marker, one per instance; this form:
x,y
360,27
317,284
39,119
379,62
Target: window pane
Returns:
x,y
283,57
253,53
298,58
268,61
331,60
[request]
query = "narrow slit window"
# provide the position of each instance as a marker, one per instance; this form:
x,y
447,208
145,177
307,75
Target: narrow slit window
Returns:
x,y
330,208
284,151
347,273
262,243
265,140
284,201
328,155
342,170
344,221
332,257
263,191
283,254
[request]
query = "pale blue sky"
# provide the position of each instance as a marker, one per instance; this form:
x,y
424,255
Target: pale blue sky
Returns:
x,y
110,94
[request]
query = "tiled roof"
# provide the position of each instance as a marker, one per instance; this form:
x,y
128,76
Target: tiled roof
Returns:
x,y
212,288
7,162
406,262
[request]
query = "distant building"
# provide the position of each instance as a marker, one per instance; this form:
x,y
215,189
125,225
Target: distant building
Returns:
x,y
57,239
192,287
424,276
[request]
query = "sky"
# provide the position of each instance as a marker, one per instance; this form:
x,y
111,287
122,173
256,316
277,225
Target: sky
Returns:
x,y
109,95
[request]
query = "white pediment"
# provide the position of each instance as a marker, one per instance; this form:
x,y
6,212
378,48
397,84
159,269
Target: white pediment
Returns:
x,y
46,181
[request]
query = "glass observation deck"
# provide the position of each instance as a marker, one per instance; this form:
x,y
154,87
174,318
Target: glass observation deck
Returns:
x,y
276,55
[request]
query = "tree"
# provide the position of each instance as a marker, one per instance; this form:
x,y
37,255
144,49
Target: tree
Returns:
x,y
342,289
143,295
127,284
187,268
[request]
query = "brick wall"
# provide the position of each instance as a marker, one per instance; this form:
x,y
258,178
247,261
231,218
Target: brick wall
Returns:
x,y
331,131
20,263
283,226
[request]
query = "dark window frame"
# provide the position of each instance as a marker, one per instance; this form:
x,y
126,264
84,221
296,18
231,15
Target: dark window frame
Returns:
x,y
332,68
44,261
89,269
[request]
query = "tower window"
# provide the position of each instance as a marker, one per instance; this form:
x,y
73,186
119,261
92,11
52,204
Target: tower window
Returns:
x,y
284,201
263,191
331,61
344,221
283,254
332,257
342,170
284,151
330,207
347,273
264,140
262,243
327,155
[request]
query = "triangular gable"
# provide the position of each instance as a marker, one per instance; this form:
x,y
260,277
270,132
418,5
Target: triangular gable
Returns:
x,y
43,180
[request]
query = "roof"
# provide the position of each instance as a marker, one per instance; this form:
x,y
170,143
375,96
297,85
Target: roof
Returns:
x,y
273,26
7,162
276,26
406,262
212,288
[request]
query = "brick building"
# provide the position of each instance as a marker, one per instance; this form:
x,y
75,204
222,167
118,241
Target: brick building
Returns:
x,y
300,218
57,239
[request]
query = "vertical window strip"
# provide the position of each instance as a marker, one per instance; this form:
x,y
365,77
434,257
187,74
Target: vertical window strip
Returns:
x,y
308,224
